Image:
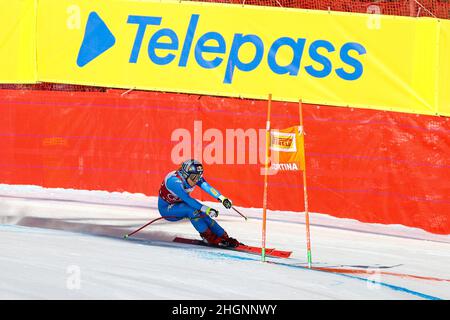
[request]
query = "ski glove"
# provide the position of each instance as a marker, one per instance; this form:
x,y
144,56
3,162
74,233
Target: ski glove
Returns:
x,y
226,202
213,213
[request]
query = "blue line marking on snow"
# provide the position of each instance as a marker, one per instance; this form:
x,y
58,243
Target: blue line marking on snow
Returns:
x,y
393,287
387,285
204,253
390,286
213,255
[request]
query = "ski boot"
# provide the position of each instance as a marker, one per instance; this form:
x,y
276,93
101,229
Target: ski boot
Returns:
x,y
228,242
210,238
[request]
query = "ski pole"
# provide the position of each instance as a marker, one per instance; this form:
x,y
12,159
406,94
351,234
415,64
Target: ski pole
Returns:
x,y
154,220
243,216
170,217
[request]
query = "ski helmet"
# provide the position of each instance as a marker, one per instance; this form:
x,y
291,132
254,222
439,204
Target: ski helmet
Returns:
x,y
191,168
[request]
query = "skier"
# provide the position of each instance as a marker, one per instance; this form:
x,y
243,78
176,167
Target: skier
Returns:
x,y
175,203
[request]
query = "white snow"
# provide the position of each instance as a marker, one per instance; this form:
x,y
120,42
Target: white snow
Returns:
x,y
67,244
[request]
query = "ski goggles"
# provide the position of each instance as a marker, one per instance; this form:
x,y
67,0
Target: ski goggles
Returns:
x,y
195,177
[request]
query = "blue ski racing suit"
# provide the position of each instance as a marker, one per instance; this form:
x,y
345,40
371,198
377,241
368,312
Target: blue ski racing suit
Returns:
x,y
175,203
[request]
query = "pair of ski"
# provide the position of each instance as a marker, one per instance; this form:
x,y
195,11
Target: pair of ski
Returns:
x,y
270,252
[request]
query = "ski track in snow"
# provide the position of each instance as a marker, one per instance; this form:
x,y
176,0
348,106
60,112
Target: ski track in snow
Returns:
x,y
67,244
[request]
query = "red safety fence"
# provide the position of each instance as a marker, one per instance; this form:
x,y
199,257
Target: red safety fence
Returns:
x,y
412,8
373,166
51,86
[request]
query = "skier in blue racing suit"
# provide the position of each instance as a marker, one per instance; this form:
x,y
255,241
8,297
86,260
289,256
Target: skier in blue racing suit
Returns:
x,y
175,203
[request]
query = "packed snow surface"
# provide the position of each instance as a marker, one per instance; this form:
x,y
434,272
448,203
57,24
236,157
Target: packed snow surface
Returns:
x,y
68,244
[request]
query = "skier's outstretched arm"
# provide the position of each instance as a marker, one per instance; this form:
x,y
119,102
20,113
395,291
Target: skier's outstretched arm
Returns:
x,y
213,192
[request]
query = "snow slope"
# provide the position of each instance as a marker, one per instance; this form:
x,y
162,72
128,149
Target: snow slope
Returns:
x,y
67,244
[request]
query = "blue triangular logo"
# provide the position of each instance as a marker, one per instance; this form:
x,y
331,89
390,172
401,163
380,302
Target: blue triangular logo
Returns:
x,y
97,39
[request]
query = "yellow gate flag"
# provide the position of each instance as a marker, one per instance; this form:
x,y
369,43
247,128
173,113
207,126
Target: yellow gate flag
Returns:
x,y
287,149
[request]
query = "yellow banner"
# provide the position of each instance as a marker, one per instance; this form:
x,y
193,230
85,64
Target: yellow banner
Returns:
x,y
444,69
17,41
357,60
287,149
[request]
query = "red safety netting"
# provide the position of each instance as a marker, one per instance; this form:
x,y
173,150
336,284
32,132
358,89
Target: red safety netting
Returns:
x,y
373,166
52,87
414,8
